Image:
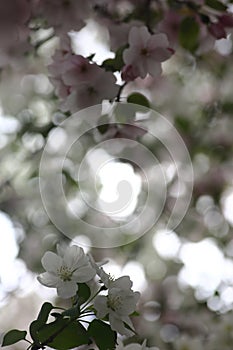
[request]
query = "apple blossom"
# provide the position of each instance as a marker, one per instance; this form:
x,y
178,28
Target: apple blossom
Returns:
x,y
146,51
118,304
134,346
65,270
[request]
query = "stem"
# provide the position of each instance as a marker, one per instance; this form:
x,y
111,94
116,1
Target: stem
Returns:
x,y
88,301
53,336
43,41
120,91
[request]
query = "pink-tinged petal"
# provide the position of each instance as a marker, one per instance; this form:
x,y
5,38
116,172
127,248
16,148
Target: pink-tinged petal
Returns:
x,y
67,289
161,54
142,68
129,73
129,55
158,40
100,304
84,274
154,68
51,262
49,280
138,36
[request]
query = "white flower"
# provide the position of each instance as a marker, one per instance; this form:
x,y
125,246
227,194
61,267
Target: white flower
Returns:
x,y
134,346
146,52
118,304
65,270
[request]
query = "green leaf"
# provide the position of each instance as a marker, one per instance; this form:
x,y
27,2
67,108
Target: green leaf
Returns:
x,y
216,5
138,99
84,293
63,334
103,335
73,312
13,337
115,64
189,34
44,313
40,321
104,120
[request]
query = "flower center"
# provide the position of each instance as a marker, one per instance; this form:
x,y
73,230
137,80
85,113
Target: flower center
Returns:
x,y
65,273
144,51
91,91
114,302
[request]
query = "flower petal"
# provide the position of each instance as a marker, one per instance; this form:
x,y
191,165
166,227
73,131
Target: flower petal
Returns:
x,y
84,274
100,304
51,262
67,289
73,257
123,282
138,36
48,279
118,325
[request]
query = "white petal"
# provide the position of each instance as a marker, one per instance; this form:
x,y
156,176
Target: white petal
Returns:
x,y
123,282
51,262
48,279
84,274
118,325
100,304
73,257
67,289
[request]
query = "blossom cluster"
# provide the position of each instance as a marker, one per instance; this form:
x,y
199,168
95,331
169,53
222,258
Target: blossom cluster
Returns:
x,y
71,266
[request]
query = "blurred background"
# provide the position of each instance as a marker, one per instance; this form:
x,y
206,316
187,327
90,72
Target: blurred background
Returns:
x,y
185,275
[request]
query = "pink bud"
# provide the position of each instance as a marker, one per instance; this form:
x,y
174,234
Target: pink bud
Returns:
x,y
217,30
129,73
226,20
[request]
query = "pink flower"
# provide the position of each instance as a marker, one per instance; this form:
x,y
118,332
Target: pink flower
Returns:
x,y
78,82
14,15
170,25
63,15
146,51
101,86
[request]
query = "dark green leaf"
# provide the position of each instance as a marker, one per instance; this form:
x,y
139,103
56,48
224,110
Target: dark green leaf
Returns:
x,y
13,337
63,334
138,99
104,119
115,64
103,335
215,4
73,312
84,293
189,34
44,313
34,327
41,321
